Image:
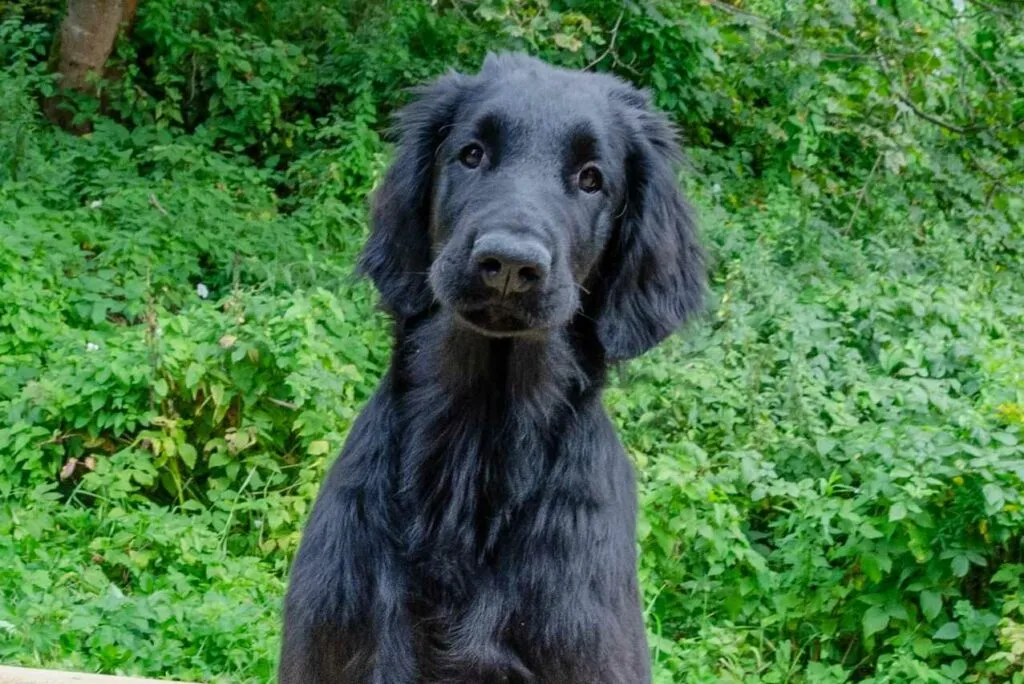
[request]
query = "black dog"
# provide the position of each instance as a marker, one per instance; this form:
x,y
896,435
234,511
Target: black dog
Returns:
x,y
479,524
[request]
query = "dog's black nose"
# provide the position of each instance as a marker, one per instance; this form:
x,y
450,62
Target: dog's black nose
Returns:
x,y
507,263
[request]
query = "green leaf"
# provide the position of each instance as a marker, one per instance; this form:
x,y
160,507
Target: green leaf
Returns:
x,y
99,311
567,42
193,375
217,394
923,647
1009,573
956,669
1005,438
994,498
870,532
872,567
960,565
947,632
318,447
875,620
160,387
218,459
824,445
931,603
898,511
974,641
188,454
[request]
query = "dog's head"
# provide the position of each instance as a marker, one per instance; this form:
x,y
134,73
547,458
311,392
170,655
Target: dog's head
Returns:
x,y
525,195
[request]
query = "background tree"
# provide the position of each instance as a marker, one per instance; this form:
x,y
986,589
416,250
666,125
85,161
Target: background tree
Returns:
x,y
82,47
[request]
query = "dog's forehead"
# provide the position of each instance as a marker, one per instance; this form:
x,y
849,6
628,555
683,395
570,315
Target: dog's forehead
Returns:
x,y
547,104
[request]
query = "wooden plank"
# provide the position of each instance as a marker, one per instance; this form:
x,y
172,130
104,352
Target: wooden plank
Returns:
x,y
21,675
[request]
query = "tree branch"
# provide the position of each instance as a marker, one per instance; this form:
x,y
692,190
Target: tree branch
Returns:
x,y
864,191
756,20
981,60
760,23
611,42
155,203
283,404
902,96
991,8
931,117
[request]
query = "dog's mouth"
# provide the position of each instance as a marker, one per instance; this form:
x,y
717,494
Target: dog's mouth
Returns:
x,y
497,321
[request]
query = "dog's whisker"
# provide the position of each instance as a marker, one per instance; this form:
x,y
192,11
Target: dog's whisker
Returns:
x,y
622,212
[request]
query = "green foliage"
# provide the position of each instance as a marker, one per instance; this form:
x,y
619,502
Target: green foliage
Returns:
x,y
830,463
857,490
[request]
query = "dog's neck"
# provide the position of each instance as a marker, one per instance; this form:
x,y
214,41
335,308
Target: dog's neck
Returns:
x,y
481,420
513,373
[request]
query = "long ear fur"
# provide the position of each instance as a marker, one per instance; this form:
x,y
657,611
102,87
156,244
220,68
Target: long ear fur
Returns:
x,y
653,272
397,254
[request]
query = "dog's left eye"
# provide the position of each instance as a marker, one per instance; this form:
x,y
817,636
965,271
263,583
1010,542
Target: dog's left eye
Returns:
x,y
471,155
590,179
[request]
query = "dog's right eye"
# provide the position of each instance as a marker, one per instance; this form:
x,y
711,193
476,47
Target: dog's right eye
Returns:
x,y
471,155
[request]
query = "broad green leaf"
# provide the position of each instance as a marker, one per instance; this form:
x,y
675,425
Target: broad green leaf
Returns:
x,y
217,394
187,452
994,497
931,603
875,620
193,375
898,511
1009,573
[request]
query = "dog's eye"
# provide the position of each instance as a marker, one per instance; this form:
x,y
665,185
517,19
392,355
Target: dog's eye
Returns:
x,y
590,179
471,155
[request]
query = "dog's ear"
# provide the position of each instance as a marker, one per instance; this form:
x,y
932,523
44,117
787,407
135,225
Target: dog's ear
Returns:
x,y
397,254
653,272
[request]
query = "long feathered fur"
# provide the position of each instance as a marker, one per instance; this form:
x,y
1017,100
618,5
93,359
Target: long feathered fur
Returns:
x,y
479,524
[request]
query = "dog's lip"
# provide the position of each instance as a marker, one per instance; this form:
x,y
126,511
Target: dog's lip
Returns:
x,y
496,321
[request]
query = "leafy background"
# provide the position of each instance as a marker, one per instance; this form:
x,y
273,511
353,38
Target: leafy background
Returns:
x,y
830,461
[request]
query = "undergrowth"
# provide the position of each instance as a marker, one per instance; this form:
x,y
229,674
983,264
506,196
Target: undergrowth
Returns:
x,y
830,460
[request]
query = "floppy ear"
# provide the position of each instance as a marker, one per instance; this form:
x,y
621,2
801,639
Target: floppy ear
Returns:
x,y
397,254
653,270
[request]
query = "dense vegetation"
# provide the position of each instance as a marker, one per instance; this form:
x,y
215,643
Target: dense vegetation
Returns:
x,y
831,461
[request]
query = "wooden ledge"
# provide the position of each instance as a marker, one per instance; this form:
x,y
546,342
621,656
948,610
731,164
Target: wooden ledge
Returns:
x,y
21,675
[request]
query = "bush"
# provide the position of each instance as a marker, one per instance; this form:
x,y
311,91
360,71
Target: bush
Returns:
x,y
830,463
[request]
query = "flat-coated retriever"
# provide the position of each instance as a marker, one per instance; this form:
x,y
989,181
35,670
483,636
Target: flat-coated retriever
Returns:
x,y
479,523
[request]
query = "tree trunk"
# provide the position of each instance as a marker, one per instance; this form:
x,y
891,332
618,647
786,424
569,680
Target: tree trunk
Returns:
x,y
86,40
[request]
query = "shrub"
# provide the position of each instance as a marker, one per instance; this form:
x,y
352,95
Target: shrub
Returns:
x,y
830,462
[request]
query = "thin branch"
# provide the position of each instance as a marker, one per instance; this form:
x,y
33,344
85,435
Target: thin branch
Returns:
x,y
902,96
948,15
864,191
760,23
981,60
156,204
991,195
756,20
999,181
932,118
626,67
283,404
611,41
991,8
976,163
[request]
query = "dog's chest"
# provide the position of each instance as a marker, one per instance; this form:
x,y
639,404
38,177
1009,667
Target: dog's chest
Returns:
x,y
468,492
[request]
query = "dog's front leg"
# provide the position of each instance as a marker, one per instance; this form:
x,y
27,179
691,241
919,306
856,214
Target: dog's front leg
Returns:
x,y
346,620
372,649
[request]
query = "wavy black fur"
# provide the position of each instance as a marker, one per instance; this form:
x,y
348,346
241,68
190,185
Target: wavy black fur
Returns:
x,y
479,524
